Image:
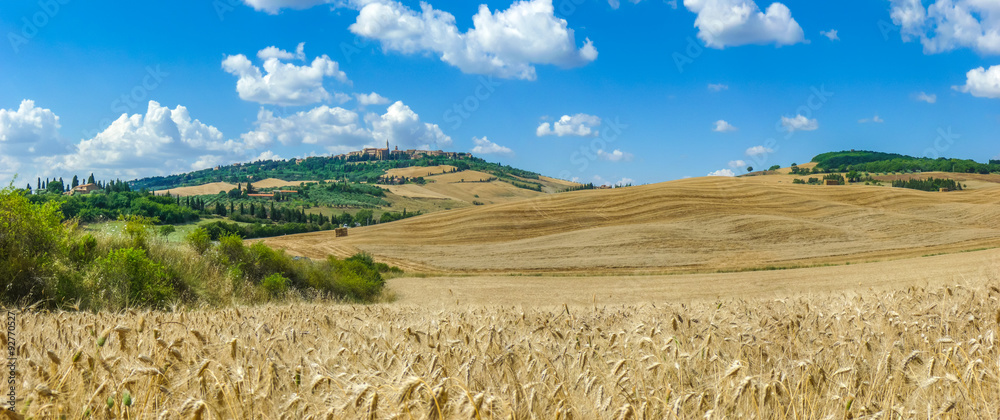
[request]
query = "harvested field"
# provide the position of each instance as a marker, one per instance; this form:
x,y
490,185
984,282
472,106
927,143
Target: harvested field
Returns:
x,y
693,225
413,191
583,290
420,171
463,176
205,189
277,183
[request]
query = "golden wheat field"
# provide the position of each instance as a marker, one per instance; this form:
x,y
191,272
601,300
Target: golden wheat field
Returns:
x,y
911,353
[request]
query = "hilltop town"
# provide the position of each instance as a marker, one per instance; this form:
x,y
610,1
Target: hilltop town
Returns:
x,y
373,153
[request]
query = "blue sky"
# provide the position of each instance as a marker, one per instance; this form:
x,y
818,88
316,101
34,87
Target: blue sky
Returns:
x,y
590,90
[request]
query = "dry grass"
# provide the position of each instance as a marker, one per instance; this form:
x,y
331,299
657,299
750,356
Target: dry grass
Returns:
x,y
901,354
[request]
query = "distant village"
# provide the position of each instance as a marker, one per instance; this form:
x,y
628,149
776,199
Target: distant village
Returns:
x,y
373,153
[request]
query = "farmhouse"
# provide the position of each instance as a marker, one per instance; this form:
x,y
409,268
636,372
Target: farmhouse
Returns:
x,y
84,189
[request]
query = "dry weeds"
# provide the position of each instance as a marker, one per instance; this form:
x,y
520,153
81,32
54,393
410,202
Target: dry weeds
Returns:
x,y
902,354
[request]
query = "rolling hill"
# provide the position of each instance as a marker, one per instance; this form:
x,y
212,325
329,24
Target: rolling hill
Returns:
x,y
693,225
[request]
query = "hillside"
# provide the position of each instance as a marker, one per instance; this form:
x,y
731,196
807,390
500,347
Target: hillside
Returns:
x,y
420,185
692,225
867,161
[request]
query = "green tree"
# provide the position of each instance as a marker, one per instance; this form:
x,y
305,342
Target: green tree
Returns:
x,y
749,168
55,187
365,217
90,179
76,182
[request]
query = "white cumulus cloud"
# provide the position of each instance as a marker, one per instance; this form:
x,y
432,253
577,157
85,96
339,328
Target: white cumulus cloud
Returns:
x,y
570,125
737,164
722,172
159,142
283,83
506,43
401,126
267,155
280,54
29,130
759,151
371,99
925,97
946,25
721,126
875,119
615,156
486,147
982,83
729,23
717,87
336,129
274,6
831,34
799,123
599,180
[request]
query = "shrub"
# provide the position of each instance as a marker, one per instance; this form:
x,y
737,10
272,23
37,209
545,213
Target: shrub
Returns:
x,y
128,278
357,277
30,240
199,240
231,250
276,285
81,249
137,228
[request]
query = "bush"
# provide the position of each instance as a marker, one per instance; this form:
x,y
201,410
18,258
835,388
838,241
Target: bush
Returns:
x,y
81,249
42,260
199,240
355,279
128,278
31,238
275,285
231,250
